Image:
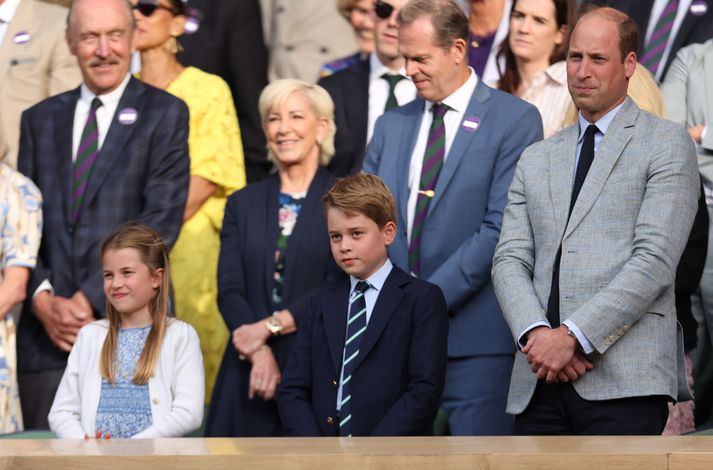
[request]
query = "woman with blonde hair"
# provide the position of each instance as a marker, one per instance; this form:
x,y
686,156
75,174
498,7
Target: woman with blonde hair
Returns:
x,y
274,251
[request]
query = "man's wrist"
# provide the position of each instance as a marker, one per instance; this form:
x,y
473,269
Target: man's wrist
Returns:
x,y
575,341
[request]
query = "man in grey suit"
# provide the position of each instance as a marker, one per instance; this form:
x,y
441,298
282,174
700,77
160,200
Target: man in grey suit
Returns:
x,y
449,157
597,218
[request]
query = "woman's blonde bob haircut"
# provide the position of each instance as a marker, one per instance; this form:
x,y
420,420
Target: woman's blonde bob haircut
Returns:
x,y
277,92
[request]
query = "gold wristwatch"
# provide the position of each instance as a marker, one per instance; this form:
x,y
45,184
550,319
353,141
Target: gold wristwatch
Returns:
x,y
273,324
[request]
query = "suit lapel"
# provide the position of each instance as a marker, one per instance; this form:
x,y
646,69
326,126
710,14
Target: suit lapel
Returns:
x,y
389,297
116,138
360,107
610,149
464,141
309,215
562,161
63,121
334,314
408,133
708,72
272,231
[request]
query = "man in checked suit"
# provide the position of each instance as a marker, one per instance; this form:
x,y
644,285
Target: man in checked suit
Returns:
x,y
596,249
449,220
135,165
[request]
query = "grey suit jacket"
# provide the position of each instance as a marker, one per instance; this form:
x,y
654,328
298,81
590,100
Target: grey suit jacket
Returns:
x,y
620,250
33,68
688,97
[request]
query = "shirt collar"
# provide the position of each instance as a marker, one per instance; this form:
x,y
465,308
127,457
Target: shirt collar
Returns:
x,y
459,99
377,69
8,9
112,97
557,72
602,123
377,279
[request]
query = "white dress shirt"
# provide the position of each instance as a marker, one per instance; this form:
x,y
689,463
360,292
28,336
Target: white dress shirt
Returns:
x,y
603,125
404,91
458,104
656,9
376,281
7,13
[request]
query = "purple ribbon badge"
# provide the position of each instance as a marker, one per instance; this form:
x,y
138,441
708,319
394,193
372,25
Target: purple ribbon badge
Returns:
x,y
471,123
699,8
193,21
127,116
22,37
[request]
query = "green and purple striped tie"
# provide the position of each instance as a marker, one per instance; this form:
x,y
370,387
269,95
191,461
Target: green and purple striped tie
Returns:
x,y
430,169
87,154
656,45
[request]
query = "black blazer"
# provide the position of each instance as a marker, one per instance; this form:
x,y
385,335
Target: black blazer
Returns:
x,y
694,29
229,43
141,174
349,89
399,374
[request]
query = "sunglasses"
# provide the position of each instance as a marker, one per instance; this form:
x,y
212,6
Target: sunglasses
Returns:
x,y
383,10
148,8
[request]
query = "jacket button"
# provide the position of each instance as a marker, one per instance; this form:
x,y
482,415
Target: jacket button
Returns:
x,y
155,401
330,420
334,382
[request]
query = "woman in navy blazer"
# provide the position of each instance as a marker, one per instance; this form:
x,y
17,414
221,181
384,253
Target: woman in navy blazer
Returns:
x,y
274,252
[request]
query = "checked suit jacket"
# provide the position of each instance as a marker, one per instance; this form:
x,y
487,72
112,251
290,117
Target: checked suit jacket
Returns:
x,y
141,174
620,250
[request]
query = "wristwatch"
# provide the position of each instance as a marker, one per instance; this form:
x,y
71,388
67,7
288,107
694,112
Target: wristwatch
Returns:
x,y
274,325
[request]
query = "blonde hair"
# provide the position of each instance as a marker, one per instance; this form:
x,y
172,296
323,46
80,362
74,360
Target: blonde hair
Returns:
x,y
154,254
276,93
643,89
362,194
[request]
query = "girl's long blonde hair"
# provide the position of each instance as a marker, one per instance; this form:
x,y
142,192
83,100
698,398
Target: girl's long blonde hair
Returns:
x,y
154,254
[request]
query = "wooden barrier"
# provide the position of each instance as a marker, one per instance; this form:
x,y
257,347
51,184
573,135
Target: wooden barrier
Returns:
x,y
439,453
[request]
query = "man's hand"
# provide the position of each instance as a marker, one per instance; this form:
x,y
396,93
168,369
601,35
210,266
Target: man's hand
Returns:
x,y
248,338
264,375
549,351
577,367
696,133
56,315
82,310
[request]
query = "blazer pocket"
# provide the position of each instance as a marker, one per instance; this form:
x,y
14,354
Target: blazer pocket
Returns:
x,y
24,60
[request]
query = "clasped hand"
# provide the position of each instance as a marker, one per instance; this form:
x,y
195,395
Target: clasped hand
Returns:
x,y
553,355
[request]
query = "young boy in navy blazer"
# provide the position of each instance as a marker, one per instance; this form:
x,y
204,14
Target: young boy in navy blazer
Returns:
x,y
371,353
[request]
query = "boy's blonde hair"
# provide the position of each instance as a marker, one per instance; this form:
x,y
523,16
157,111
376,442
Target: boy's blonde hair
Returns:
x,y
362,194
154,255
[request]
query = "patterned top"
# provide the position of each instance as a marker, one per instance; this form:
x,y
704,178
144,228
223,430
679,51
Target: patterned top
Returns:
x,y
125,407
20,229
290,206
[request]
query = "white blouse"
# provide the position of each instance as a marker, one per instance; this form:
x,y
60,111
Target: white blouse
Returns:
x,y
548,92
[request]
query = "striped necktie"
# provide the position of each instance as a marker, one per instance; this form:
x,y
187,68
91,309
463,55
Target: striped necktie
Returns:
x,y
656,45
87,154
391,101
356,326
432,164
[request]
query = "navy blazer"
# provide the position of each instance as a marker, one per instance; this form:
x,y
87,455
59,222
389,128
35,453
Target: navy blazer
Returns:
x,y
398,376
349,89
141,174
465,215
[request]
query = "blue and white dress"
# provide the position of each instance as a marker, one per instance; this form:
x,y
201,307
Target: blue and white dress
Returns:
x,y
125,407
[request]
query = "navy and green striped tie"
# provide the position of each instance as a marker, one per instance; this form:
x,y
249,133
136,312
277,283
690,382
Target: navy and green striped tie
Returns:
x,y
356,326
87,154
430,170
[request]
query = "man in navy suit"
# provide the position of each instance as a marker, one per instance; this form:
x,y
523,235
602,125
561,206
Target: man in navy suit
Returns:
x,y
110,151
363,92
450,218
370,357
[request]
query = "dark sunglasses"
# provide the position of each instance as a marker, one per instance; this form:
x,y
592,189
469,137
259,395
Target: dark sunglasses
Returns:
x,y
148,8
383,10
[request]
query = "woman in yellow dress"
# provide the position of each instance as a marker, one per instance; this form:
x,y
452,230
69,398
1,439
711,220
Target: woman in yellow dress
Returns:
x,y
217,170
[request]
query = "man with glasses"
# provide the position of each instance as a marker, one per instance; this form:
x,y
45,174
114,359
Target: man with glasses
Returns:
x,y
448,157
110,151
366,90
